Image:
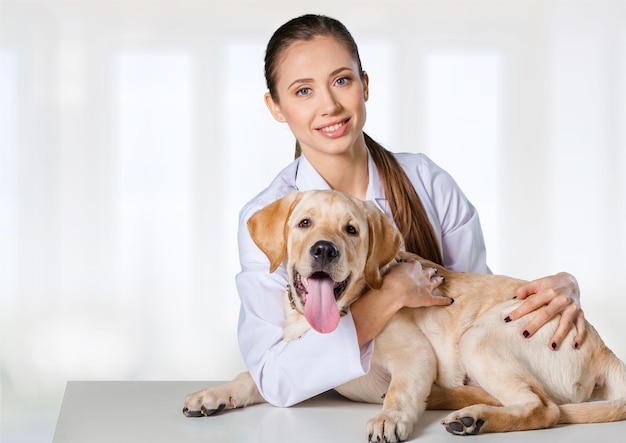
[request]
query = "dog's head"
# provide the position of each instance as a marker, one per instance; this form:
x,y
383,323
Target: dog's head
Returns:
x,y
332,246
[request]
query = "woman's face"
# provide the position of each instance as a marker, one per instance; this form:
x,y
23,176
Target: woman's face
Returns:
x,y
320,96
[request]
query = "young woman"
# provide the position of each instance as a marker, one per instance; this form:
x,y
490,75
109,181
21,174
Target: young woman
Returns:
x,y
317,86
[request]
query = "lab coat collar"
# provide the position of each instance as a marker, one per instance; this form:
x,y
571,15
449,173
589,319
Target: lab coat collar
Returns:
x,y
307,178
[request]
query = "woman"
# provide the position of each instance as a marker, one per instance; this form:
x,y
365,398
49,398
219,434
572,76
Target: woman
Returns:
x,y
317,86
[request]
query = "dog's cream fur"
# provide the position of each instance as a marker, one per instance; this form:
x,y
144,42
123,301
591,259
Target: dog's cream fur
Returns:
x,y
429,354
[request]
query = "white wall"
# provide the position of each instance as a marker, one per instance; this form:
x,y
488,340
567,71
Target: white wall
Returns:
x,y
131,132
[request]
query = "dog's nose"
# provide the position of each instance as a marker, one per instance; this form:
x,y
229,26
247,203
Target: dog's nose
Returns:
x,y
324,251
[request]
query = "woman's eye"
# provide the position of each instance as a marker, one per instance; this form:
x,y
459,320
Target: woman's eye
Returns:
x,y
303,91
342,81
351,230
304,223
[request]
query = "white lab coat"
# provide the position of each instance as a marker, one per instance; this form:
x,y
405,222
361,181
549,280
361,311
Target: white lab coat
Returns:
x,y
290,372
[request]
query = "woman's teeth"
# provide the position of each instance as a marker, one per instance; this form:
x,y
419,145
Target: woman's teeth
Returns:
x,y
333,127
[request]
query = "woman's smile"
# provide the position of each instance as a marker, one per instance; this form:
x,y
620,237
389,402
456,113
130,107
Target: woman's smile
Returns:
x,y
335,130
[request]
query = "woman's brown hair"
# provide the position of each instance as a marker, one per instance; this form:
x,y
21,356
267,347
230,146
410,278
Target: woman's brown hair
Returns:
x,y
406,206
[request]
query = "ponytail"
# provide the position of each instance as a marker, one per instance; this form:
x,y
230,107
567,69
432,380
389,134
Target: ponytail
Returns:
x,y
406,206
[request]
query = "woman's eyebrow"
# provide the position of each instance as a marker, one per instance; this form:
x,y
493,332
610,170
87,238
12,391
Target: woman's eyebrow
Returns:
x,y
301,80
310,80
337,71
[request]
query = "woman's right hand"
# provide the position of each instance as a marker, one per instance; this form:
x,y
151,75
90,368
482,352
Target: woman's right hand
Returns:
x,y
406,284
414,285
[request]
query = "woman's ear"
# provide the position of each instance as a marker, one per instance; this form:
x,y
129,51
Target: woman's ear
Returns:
x,y
274,108
366,86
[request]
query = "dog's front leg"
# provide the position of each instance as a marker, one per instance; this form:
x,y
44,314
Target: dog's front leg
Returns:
x,y
409,359
240,392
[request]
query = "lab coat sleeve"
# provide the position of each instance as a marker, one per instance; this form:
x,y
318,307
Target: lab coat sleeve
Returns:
x,y
289,372
462,240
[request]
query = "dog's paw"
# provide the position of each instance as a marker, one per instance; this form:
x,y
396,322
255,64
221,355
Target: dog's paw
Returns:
x,y
203,412
462,424
205,403
389,427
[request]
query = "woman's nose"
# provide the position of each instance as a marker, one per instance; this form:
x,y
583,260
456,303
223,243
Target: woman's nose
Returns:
x,y
329,103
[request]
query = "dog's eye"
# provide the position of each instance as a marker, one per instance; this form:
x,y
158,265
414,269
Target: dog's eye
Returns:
x,y
351,230
305,223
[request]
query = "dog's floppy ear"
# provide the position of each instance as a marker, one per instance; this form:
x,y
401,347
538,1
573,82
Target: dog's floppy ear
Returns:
x,y
268,228
384,244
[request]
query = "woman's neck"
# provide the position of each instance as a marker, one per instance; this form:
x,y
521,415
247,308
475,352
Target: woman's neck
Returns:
x,y
347,172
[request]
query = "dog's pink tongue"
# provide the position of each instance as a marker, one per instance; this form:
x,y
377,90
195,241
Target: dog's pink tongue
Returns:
x,y
320,308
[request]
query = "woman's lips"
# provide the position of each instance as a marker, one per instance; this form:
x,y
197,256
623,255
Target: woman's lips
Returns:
x,y
335,129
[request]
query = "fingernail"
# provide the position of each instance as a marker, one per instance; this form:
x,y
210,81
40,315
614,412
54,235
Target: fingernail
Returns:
x,y
553,345
507,319
525,334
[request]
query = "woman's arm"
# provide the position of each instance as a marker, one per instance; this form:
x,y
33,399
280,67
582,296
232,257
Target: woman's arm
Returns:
x,y
406,284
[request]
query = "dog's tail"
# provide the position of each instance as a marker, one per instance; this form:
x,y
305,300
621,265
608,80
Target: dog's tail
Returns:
x,y
612,389
593,412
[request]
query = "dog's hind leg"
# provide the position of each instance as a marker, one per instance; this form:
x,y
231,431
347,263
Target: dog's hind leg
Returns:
x,y
611,388
491,360
240,392
523,408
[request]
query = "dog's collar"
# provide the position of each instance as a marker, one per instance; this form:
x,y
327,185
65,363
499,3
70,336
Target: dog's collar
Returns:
x,y
292,301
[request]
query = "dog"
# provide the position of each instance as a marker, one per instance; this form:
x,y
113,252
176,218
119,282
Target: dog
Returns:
x,y
463,356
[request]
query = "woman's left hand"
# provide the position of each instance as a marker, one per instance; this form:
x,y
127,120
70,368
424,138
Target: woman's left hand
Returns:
x,y
556,294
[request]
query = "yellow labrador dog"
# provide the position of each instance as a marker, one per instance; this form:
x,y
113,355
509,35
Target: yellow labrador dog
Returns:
x,y
334,246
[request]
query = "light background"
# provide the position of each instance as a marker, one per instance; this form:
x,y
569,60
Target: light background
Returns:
x,y
132,132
